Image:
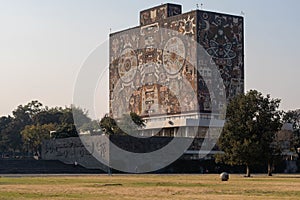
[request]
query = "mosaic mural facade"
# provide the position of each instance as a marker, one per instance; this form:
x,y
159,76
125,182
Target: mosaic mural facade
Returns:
x,y
159,13
143,65
222,36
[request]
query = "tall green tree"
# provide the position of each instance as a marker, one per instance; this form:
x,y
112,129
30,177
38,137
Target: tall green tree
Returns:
x,y
22,117
269,122
252,121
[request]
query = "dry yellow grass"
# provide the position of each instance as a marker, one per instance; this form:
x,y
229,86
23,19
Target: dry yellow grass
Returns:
x,y
177,187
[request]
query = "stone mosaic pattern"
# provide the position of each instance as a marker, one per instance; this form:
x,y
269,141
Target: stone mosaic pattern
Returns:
x,y
152,15
222,37
143,65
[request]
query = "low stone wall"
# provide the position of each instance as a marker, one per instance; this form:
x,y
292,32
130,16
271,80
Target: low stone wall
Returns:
x,y
88,151
77,151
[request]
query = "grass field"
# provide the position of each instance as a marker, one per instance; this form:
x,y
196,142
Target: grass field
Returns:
x,y
151,187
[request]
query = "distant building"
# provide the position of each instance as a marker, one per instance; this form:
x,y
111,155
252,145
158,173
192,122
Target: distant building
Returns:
x,y
143,67
284,139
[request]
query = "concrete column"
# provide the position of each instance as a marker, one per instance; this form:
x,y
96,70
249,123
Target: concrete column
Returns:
x,y
186,131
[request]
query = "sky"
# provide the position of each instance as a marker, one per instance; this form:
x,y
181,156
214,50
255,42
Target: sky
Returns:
x,y
43,45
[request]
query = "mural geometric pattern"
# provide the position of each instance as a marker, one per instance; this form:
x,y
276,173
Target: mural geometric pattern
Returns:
x,y
143,63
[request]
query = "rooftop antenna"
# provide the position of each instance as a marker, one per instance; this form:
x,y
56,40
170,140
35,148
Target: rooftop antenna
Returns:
x,y
201,5
197,6
109,30
242,13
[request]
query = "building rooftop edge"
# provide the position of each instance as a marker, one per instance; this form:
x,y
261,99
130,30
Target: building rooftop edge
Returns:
x,y
197,10
165,4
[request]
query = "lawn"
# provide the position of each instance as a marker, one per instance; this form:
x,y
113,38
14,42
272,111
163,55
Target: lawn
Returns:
x,y
151,187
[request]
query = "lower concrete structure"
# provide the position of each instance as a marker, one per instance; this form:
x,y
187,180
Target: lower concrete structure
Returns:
x,y
88,152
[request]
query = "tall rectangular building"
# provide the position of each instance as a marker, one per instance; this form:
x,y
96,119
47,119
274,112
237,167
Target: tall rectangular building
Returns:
x,y
149,62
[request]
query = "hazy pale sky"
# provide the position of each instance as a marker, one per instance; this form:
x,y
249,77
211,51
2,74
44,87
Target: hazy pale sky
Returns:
x,y
44,43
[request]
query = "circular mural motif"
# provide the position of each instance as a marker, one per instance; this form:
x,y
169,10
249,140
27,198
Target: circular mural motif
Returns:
x,y
127,65
173,55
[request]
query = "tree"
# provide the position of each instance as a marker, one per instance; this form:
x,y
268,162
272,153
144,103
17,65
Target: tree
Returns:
x,y
79,116
26,113
31,123
12,138
72,118
33,135
4,137
251,123
22,116
129,123
48,116
92,127
109,125
293,117
65,130
269,123
137,120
